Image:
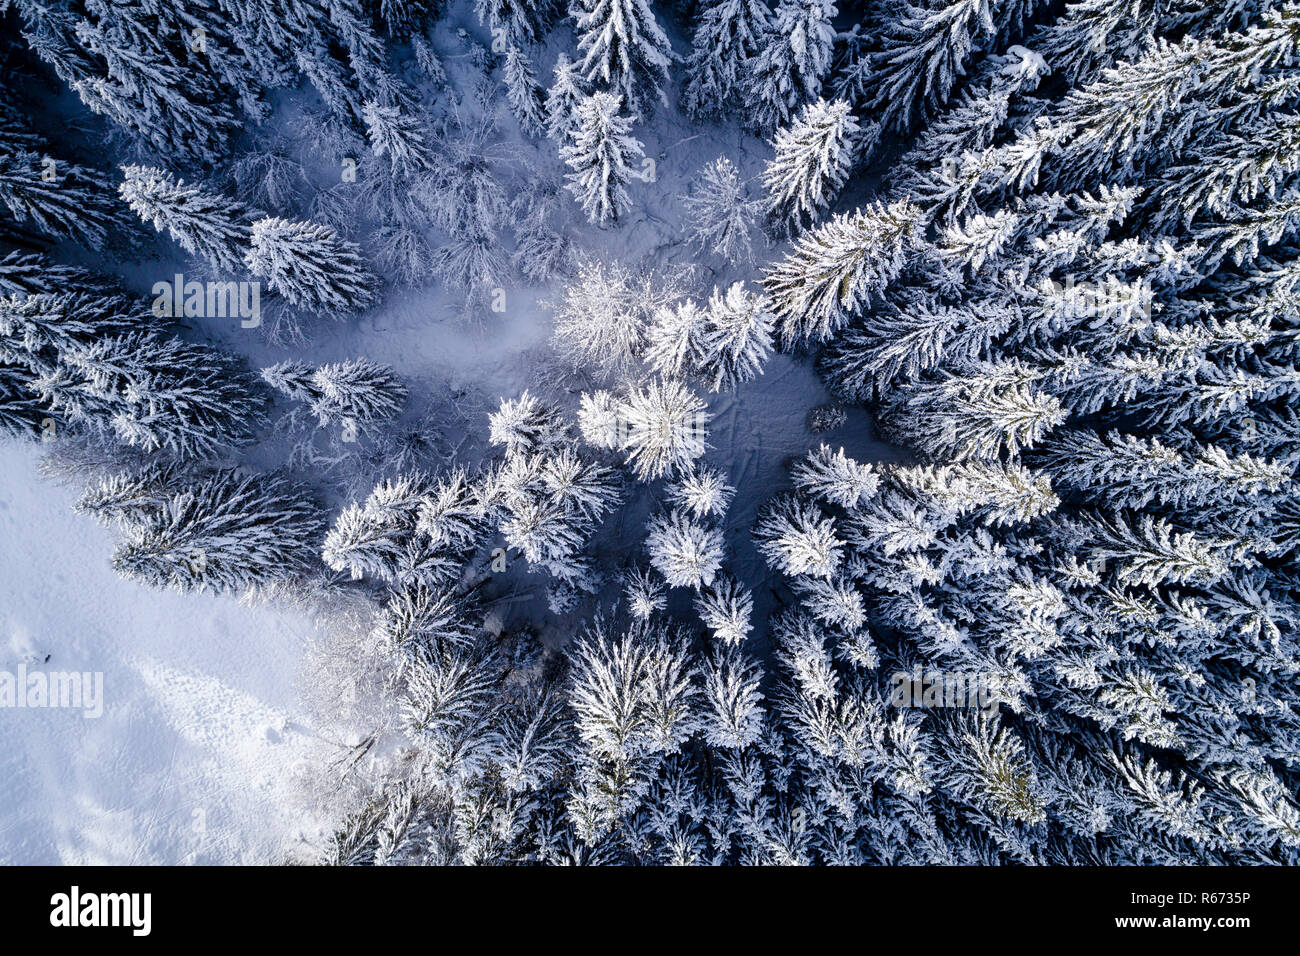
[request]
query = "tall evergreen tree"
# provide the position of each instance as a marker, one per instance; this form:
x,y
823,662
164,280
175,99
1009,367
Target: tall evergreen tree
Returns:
x,y
224,532
812,160
837,268
60,199
514,23
601,155
623,50
523,92
562,100
794,61
727,36
310,266
202,223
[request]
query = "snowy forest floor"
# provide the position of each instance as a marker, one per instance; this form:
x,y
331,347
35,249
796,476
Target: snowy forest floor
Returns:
x,y
193,756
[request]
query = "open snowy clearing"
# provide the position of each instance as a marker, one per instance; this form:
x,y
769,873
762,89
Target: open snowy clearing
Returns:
x,y
191,759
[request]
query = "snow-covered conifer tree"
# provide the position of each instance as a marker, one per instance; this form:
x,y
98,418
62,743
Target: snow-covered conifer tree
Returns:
x,y
726,608
942,168
923,52
736,339
623,50
588,489
356,390
374,537
727,36
542,250
645,594
155,394
357,394
720,215
835,478
562,100
813,156
26,274
527,424
703,491
165,91
418,618
599,321
975,415
797,538
72,204
226,532
450,516
598,419
731,689
21,414
664,428
601,154
836,268
122,498
686,552
35,327
524,93
310,266
398,137
794,60
202,223
675,339
514,22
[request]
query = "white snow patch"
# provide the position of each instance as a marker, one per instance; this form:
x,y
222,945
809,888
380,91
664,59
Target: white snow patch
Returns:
x,y
187,763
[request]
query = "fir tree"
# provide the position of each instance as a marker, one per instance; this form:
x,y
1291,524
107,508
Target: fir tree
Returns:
x,y
675,339
310,266
835,478
835,269
601,154
164,91
542,251
71,204
922,54
374,537
154,394
398,137
720,215
599,419
794,60
623,50
563,99
796,538
201,223
599,321
727,36
527,424
664,428
686,553
703,491
225,532
813,158
736,339
731,687
524,94
515,22
726,608
357,394
645,595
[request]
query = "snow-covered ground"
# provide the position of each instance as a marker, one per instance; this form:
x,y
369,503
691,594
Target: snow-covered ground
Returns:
x,y
190,761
